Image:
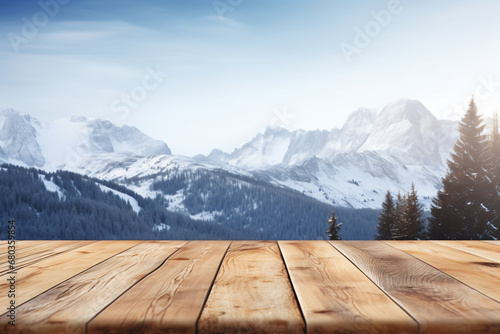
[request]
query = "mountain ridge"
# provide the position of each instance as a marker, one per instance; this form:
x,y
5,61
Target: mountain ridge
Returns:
x,y
351,166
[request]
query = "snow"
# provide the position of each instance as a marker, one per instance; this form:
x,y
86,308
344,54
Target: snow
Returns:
x,y
175,202
52,187
160,227
264,150
2,120
72,142
127,198
121,146
207,216
62,142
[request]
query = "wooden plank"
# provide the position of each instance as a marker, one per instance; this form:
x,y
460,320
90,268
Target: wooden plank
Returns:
x,y
252,293
335,296
169,300
30,255
494,242
68,307
31,243
475,271
440,303
43,275
20,246
479,248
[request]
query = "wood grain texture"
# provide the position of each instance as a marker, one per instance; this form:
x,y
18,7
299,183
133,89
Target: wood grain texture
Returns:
x,y
30,243
335,296
68,307
252,293
169,300
440,303
485,250
29,254
43,275
475,271
494,242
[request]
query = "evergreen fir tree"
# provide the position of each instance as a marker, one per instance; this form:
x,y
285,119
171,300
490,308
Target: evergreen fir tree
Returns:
x,y
413,228
397,230
333,228
459,211
386,220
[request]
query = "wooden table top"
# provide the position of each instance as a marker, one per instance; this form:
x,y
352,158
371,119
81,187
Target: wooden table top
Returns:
x,y
254,287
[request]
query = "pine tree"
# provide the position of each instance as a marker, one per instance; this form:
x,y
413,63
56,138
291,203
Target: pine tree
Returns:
x,y
459,211
333,228
398,229
413,228
386,219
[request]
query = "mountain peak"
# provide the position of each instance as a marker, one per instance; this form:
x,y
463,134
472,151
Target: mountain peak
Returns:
x,y
407,130
8,112
274,129
412,110
69,140
18,139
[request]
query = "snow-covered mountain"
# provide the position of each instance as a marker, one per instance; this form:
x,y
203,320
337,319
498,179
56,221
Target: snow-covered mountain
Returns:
x,y
355,165
406,130
352,166
68,142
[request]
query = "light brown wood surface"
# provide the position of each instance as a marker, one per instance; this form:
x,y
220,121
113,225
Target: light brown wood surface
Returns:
x,y
335,297
439,303
43,275
252,293
68,307
494,242
485,250
29,243
480,273
256,287
29,254
168,300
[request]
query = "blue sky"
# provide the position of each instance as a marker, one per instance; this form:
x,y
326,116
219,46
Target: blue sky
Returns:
x,y
211,74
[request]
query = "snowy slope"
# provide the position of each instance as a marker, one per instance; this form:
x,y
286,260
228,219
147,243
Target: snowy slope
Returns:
x,y
52,187
127,198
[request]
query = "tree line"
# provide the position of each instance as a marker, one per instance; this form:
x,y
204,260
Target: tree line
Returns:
x,y
468,205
